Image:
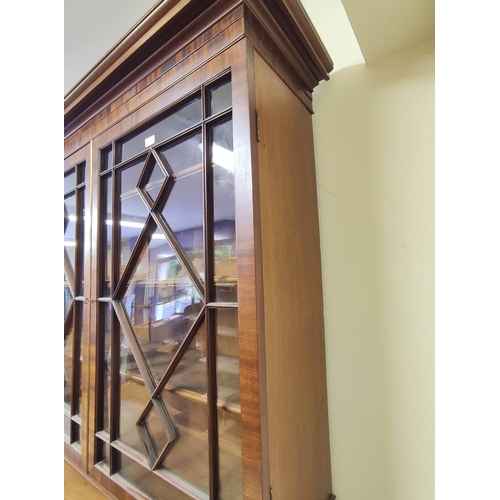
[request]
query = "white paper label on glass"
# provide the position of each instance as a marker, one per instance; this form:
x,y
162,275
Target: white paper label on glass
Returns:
x,y
149,140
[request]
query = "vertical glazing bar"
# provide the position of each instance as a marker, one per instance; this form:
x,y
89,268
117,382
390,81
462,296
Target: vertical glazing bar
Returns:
x,y
75,393
213,438
100,388
209,211
78,317
114,405
100,395
209,297
115,231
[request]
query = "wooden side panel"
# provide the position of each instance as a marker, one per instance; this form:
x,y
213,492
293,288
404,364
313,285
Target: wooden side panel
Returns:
x,y
252,359
293,308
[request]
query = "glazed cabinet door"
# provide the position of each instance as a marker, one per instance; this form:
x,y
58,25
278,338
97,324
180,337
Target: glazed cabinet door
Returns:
x,y
166,409
76,300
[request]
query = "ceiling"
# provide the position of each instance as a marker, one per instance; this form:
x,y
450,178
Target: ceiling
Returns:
x,y
353,31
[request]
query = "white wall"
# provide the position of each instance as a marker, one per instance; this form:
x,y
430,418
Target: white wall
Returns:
x,y
374,146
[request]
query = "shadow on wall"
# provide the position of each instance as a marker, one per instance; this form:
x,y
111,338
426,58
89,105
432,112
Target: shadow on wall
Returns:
x,y
374,147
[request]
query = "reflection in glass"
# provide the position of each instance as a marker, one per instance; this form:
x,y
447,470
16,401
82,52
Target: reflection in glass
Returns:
x,y
68,296
73,235
106,311
158,437
184,156
133,398
104,453
133,210
80,173
80,248
69,233
168,126
228,364
106,158
161,302
185,398
68,367
184,211
76,432
69,180
219,97
79,308
224,212
154,180
107,235
229,413
230,462
67,425
149,483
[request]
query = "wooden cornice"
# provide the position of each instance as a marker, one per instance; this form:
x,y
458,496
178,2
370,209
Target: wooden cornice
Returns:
x,y
159,25
285,22
139,34
298,28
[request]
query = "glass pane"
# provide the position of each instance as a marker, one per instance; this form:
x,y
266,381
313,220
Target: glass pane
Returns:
x,y
68,296
79,311
229,412
69,222
134,398
149,482
80,173
158,437
219,97
185,399
154,180
183,157
106,243
228,364
168,126
184,211
224,212
103,452
80,247
230,463
68,367
133,210
106,158
161,303
106,311
67,425
69,180
75,432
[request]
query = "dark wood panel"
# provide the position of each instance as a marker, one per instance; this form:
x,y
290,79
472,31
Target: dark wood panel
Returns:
x,y
293,315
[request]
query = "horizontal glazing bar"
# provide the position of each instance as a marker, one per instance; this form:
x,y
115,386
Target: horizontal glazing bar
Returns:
x,y
219,305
